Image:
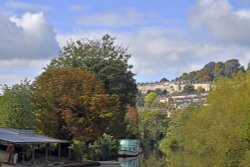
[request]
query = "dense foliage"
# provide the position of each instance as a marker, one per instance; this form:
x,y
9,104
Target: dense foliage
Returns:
x,y
108,61
152,126
104,148
220,130
213,71
71,104
86,91
16,109
110,64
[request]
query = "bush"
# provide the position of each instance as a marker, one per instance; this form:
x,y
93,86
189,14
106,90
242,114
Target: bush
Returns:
x,y
104,148
78,150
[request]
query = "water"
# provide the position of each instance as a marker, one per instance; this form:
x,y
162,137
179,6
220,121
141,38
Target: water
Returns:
x,y
181,159
173,159
147,159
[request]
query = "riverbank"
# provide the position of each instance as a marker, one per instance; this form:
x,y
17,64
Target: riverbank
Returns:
x,y
86,163
109,163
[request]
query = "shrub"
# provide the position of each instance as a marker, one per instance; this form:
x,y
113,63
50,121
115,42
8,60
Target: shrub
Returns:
x,y
104,148
78,150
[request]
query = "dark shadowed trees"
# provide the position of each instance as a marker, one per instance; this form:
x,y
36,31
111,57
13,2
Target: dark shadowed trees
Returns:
x,y
189,89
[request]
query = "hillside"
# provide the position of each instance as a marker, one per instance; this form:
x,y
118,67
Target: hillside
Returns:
x,y
213,71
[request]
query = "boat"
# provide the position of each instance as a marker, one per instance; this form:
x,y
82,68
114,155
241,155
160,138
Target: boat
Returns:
x,y
129,147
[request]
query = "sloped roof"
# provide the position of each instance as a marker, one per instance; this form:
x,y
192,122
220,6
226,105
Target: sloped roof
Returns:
x,y
21,136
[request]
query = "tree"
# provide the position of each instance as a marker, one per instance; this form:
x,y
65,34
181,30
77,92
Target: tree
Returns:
x,y
232,66
203,75
219,130
160,92
140,99
174,132
152,126
107,60
16,107
132,123
151,100
213,71
219,70
164,80
110,64
188,89
71,104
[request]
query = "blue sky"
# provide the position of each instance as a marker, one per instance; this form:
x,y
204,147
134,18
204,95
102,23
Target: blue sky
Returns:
x,y
165,37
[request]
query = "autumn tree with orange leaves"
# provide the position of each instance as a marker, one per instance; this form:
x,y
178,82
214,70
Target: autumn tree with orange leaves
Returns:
x,y
71,104
132,123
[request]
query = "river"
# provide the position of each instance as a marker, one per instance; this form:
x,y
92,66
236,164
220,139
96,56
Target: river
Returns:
x,y
146,159
158,159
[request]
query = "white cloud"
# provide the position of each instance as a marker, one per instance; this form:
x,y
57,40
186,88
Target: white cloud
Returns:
x,y
226,24
161,54
27,44
221,33
25,6
157,53
26,37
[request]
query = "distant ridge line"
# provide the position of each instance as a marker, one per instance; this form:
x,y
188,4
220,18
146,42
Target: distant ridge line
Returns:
x,y
175,82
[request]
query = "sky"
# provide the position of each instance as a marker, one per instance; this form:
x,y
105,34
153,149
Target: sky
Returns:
x,y
164,37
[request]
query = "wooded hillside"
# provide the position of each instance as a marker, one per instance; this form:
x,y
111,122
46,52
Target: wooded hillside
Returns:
x,y
212,71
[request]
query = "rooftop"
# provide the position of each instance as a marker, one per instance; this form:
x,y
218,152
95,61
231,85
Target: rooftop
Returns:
x,y
21,136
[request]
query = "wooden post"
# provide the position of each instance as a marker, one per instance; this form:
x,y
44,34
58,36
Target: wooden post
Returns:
x,y
59,150
47,152
33,154
70,147
23,153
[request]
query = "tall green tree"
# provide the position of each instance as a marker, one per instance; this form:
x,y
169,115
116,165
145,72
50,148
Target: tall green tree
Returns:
x,y
109,62
16,108
71,104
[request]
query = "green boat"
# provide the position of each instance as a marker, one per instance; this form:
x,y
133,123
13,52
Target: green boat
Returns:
x,y
129,147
